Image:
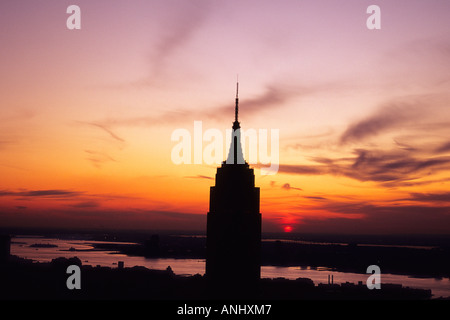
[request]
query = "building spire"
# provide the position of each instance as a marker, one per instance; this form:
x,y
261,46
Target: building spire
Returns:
x,y
235,155
236,108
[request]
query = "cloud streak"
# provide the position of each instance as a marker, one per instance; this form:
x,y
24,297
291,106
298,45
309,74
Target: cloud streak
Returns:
x,y
88,215
181,28
419,112
384,167
42,193
430,197
395,216
107,130
443,148
271,96
415,124
98,158
61,194
390,116
199,176
288,187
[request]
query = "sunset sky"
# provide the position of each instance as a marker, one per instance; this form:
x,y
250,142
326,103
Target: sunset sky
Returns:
x,y
86,116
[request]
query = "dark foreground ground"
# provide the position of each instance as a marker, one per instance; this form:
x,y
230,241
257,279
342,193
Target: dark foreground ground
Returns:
x,y
23,280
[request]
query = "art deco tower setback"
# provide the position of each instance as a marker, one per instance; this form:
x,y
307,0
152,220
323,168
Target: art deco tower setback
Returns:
x,y
233,222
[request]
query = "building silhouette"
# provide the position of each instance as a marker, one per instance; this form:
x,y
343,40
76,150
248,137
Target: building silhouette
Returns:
x,y
233,241
152,247
5,247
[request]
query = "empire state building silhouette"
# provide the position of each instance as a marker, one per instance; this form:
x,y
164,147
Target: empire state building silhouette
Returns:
x,y
233,224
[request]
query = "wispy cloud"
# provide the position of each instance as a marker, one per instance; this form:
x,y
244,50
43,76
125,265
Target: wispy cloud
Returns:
x,y
388,117
318,198
49,193
58,194
396,215
381,219
86,204
443,148
385,167
271,96
303,169
189,18
177,30
199,176
167,117
87,215
405,146
287,186
62,194
430,197
98,158
417,126
106,129
419,113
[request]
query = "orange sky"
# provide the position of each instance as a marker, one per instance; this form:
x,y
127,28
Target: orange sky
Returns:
x,y
363,115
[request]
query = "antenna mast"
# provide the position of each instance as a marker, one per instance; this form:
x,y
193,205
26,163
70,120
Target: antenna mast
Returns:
x,y
237,102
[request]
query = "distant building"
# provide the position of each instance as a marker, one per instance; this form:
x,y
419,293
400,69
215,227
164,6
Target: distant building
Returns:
x,y
233,242
152,248
5,247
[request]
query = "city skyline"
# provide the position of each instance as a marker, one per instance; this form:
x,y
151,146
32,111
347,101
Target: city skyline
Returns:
x,y
363,117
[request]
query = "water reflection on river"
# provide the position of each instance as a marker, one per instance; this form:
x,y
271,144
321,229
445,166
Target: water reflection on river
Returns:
x,y
49,249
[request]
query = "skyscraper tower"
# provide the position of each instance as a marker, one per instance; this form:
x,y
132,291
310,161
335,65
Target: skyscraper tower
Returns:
x,y
233,224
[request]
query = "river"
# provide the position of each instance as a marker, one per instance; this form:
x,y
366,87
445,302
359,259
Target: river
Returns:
x,y
50,248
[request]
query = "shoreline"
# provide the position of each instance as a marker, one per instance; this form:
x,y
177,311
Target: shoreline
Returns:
x,y
144,283
432,263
